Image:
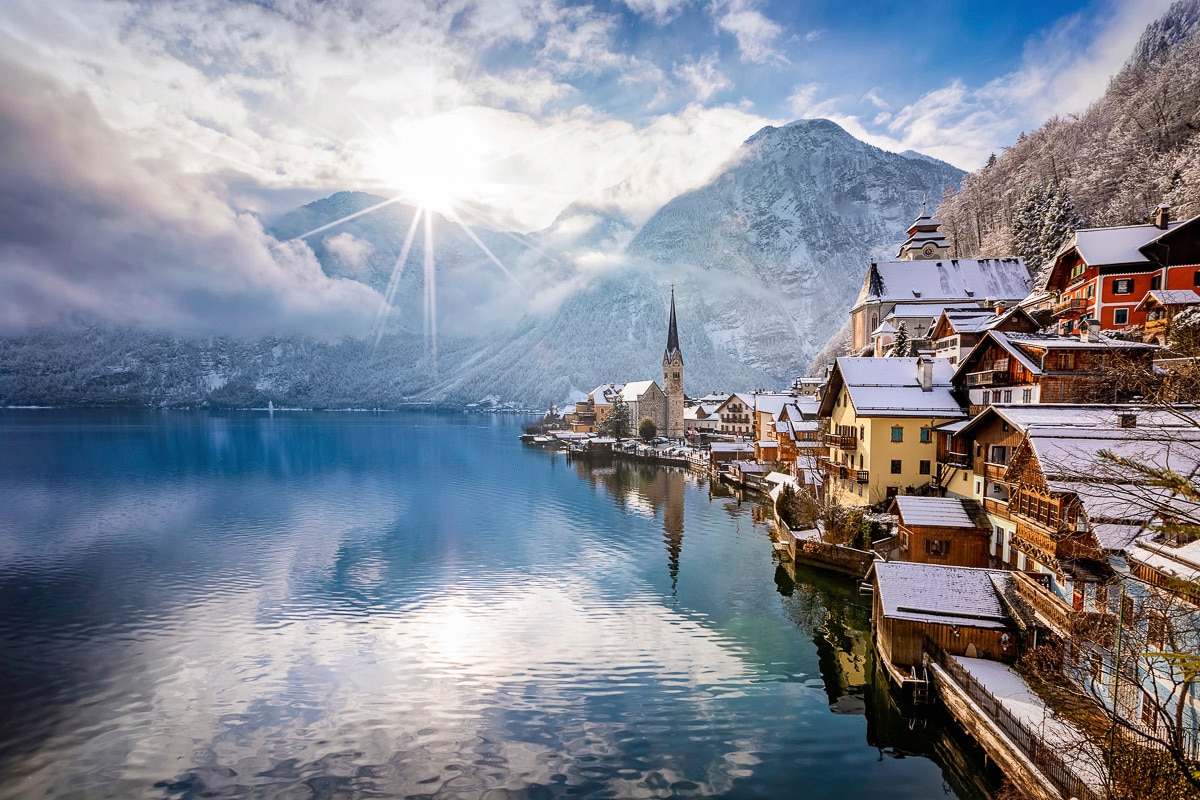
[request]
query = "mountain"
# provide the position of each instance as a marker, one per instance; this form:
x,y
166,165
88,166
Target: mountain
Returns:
x,y
789,228
1134,148
766,259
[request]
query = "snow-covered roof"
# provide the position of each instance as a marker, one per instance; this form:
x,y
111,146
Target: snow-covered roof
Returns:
x,y
942,512
1181,562
884,327
1060,342
889,387
1075,417
953,279
602,394
931,310
632,391
940,595
1121,245
731,447
1170,297
767,444
1116,536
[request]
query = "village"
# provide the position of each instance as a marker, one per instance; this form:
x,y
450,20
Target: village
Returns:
x,y
1007,462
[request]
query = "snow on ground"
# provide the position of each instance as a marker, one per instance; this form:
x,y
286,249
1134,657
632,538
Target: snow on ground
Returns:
x,y
1018,699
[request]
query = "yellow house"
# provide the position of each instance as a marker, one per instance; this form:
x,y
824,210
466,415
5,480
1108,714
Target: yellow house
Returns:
x,y
879,415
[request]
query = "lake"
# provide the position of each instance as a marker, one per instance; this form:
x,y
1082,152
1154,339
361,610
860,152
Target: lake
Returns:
x,y
338,605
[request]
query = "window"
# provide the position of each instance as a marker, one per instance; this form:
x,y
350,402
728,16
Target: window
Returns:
x,y
1196,278
896,466
897,434
1121,316
1066,361
892,491
1127,611
1122,286
1149,712
1156,630
998,454
1004,427
1008,395
1027,396
965,476
987,397
924,468
937,547
1156,282
1091,290
926,435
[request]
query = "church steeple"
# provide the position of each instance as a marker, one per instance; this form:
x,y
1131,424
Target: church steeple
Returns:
x,y
672,330
673,378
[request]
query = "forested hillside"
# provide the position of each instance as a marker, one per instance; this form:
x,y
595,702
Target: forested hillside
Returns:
x,y
1136,147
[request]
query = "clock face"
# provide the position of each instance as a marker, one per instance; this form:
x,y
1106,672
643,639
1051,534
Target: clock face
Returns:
x,y
927,250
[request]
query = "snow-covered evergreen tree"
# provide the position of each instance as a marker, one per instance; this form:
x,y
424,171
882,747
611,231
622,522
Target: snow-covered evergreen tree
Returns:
x,y
1043,221
900,344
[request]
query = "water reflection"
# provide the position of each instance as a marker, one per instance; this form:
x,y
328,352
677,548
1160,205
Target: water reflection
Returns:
x,y
307,605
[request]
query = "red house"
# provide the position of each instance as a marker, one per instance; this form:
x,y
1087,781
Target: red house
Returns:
x,y
1104,273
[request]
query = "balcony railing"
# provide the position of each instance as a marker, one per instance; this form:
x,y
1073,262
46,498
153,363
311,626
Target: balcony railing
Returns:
x,y
993,470
994,373
844,441
1074,305
862,475
1035,537
960,460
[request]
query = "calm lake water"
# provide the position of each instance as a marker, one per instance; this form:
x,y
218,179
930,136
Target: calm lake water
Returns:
x,y
415,605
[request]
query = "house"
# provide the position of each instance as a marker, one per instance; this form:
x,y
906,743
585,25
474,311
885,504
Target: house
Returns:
x,y
932,280
1103,274
879,418
1160,306
919,320
724,452
701,418
737,415
958,330
950,531
1009,367
956,608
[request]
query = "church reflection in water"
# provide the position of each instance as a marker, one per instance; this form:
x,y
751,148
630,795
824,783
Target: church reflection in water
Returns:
x,y
654,490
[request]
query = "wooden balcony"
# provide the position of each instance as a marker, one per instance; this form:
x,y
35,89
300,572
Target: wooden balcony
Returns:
x,y
994,471
1048,605
861,475
843,441
1032,535
997,507
1075,305
994,373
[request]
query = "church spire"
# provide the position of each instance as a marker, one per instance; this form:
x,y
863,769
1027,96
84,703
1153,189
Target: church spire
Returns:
x,y
672,331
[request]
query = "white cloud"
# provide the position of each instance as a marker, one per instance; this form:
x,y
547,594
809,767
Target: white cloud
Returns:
x,y
756,35
874,99
703,75
1063,70
660,11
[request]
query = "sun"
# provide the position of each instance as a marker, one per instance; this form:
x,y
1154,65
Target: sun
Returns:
x,y
436,162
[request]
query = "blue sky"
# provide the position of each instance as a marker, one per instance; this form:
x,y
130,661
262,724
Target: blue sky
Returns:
x,y
164,130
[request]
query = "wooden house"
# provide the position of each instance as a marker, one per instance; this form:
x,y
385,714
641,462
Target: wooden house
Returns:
x,y
956,608
941,530
1160,307
1103,274
957,330
1046,368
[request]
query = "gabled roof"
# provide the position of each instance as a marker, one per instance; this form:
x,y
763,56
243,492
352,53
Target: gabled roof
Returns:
x,y
978,320
889,387
635,389
1118,245
1169,297
1024,347
1071,416
941,595
941,512
602,395
949,280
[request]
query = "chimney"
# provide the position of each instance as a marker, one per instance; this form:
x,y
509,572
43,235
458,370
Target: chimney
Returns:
x,y
1089,330
1162,216
925,374
1000,309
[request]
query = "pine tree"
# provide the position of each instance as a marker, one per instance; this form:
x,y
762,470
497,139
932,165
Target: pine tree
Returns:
x,y
1042,222
900,344
617,423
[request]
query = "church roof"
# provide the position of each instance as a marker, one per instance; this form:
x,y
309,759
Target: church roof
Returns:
x,y
947,280
672,330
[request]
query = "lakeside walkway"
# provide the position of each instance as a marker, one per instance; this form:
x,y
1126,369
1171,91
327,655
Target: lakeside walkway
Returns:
x,y
1016,697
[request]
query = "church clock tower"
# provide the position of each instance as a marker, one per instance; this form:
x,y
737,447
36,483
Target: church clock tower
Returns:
x,y
673,378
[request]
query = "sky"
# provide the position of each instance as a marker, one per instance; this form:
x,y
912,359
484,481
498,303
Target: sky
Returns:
x,y
141,143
